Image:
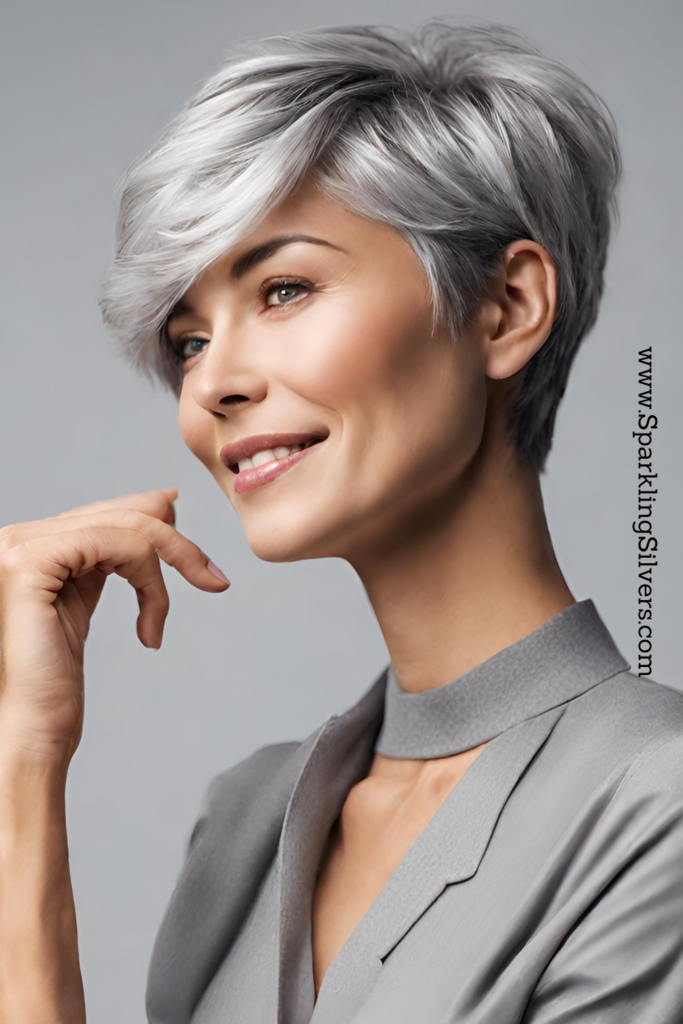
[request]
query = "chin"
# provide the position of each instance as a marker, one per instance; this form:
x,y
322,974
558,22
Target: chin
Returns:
x,y
277,541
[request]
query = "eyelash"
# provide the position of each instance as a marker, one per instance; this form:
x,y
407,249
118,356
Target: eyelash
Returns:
x,y
264,291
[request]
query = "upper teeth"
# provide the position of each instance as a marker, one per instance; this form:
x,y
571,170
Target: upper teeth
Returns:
x,y
268,454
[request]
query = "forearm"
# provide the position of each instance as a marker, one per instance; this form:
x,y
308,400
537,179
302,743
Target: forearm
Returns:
x,y
40,978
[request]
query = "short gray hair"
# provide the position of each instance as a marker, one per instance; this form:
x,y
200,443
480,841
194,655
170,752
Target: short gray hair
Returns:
x,y
463,137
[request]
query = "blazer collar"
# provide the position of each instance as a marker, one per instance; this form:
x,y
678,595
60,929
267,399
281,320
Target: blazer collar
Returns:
x,y
563,658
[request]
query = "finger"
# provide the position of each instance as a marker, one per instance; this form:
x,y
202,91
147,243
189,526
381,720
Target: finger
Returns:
x,y
172,546
153,600
42,566
153,503
89,589
73,613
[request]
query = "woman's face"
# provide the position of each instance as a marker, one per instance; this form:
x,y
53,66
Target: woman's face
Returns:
x,y
331,341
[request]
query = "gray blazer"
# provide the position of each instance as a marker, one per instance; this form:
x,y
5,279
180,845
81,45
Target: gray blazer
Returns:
x,y
547,888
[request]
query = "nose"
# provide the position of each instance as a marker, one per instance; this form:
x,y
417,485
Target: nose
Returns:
x,y
227,375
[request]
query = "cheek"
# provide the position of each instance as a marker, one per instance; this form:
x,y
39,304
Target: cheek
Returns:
x,y
409,404
196,430
378,364
354,352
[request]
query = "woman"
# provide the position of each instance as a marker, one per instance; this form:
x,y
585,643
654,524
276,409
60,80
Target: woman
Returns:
x,y
363,261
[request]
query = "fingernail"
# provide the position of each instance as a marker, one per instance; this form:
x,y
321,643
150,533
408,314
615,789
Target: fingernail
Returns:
x,y
212,567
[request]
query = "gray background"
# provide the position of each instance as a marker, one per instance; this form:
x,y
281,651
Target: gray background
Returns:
x,y
85,86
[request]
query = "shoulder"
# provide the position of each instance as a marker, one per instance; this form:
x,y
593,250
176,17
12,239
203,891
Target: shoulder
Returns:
x,y
640,693
625,734
624,876
658,767
255,768
630,708
250,775
231,793
634,715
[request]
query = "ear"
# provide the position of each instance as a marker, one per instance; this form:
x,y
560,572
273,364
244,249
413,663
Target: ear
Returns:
x,y
519,309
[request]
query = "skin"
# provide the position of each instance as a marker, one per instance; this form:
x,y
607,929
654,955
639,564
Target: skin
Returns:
x,y
417,485
52,574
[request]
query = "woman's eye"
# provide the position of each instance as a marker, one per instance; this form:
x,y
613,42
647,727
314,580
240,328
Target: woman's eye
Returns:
x,y
182,349
285,293
282,292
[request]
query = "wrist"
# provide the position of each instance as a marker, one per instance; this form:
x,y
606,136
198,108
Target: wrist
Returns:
x,y
32,800
25,750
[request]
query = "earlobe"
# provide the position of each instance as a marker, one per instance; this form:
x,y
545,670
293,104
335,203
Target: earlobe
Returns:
x,y
508,354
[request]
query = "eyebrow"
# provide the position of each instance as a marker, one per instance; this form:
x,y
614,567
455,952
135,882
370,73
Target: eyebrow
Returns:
x,y
253,256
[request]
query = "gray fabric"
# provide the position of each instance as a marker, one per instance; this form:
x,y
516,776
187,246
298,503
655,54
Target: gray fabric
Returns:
x,y
561,659
547,888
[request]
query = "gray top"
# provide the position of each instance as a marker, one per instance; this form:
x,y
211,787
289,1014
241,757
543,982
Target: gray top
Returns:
x,y
546,889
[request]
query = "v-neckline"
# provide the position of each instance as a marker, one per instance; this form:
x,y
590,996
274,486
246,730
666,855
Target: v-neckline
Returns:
x,y
324,853
423,839
447,850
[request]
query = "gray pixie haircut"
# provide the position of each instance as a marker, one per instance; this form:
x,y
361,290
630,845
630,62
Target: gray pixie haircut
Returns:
x,y
463,137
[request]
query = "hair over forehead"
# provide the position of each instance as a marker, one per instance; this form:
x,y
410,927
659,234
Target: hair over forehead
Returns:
x,y
463,137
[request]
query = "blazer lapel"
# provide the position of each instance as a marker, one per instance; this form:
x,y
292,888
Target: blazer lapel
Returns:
x,y
340,757
448,851
238,833
232,845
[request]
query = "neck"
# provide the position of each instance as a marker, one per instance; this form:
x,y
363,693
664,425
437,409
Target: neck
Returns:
x,y
474,575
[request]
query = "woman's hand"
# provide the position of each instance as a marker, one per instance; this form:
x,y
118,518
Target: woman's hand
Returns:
x,y
52,572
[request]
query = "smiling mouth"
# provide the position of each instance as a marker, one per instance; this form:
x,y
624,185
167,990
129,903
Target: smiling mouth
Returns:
x,y
268,455
253,476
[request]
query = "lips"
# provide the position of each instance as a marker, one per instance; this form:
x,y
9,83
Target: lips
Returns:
x,y
251,477
245,447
